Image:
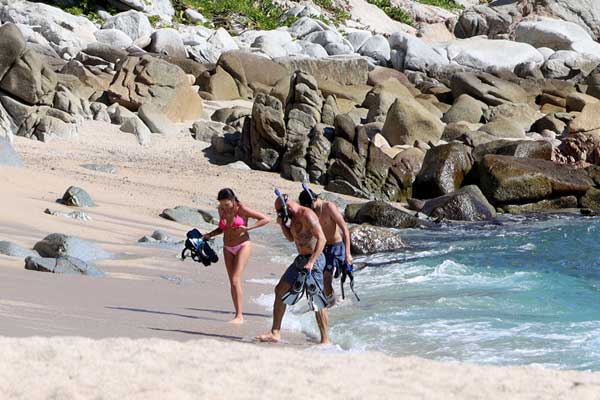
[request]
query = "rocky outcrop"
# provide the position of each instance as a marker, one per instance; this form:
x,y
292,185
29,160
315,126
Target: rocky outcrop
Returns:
x,y
544,206
147,80
511,180
487,88
317,156
303,115
267,134
343,70
466,204
444,170
539,149
366,239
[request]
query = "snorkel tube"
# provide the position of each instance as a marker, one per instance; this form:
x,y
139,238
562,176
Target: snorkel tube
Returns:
x,y
310,195
283,212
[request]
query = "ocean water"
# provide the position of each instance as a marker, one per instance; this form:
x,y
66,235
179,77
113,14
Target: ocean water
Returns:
x,y
521,292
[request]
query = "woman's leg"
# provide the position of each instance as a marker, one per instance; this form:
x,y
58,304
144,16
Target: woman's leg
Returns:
x,y
235,271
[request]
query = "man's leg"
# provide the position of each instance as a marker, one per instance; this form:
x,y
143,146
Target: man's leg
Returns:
x,y
323,323
328,281
279,308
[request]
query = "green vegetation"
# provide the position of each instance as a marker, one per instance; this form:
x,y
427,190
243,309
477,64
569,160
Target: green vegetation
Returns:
x,y
395,13
447,4
339,14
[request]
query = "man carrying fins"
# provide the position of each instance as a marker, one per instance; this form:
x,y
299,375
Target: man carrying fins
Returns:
x,y
337,252
301,226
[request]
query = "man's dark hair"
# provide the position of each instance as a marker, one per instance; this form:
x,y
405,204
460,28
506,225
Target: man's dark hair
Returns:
x,y
307,198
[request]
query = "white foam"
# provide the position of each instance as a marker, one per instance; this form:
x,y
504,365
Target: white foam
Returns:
x,y
265,281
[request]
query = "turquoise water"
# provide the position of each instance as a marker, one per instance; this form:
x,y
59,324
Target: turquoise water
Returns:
x,y
521,292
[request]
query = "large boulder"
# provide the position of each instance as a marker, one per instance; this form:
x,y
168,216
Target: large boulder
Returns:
x,y
190,217
62,265
482,54
267,133
155,120
587,120
343,70
160,8
466,204
57,245
366,239
317,155
539,149
465,108
551,33
408,121
208,50
113,37
136,126
133,23
167,42
59,28
591,199
512,180
444,170
151,80
380,213
412,53
487,88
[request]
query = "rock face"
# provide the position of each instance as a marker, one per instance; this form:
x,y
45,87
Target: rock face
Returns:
x,y
317,156
466,204
380,213
147,80
77,197
408,121
511,180
551,33
56,245
303,115
267,135
62,265
444,170
487,88
591,199
167,42
345,70
367,239
539,149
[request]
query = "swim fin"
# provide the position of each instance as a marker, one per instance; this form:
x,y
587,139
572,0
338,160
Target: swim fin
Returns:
x,y
348,271
295,293
314,293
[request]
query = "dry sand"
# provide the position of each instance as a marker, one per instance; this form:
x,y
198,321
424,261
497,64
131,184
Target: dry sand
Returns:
x,y
147,329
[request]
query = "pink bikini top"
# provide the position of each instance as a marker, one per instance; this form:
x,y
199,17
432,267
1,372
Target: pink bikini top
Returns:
x,y
237,222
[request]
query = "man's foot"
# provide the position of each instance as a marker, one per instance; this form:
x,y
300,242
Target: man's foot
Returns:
x,y
325,342
237,320
269,338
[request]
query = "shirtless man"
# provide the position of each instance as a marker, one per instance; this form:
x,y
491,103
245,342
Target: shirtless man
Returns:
x,y
304,230
337,249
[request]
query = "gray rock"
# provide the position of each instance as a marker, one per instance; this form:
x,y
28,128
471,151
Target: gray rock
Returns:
x,y
349,70
106,168
113,37
138,128
195,17
511,180
378,48
155,120
312,50
444,170
77,197
267,133
487,88
366,239
62,265
206,130
167,42
552,33
317,155
358,37
133,23
414,54
305,26
380,213
504,128
539,149
465,108
190,216
57,245
14,250
466,204
239,165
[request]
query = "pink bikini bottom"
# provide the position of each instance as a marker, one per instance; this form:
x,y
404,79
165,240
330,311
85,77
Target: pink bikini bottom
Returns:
x,y
235,249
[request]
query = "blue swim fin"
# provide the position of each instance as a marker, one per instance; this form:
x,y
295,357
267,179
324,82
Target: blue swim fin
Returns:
x,y
316,299
295,293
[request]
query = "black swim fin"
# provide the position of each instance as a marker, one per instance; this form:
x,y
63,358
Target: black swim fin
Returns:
x,y
295,293
316,299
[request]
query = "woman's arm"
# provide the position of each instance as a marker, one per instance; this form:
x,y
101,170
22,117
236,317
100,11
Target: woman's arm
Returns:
x,y
261,219
216,231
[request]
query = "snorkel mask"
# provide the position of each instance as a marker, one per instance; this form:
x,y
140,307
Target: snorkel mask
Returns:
x,y
282,212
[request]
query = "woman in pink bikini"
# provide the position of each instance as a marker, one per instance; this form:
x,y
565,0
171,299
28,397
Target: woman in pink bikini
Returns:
x,y
233,224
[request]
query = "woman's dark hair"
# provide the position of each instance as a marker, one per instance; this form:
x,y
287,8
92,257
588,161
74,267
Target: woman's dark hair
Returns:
x,y
227,194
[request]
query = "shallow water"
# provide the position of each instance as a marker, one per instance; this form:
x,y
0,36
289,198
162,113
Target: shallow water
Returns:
x,y
526,291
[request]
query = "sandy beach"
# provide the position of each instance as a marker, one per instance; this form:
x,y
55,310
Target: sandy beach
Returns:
x,y
154,326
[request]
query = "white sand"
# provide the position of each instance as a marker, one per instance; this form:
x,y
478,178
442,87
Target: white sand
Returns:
x,y
171,310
